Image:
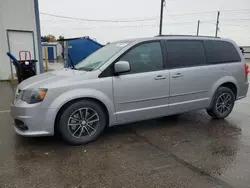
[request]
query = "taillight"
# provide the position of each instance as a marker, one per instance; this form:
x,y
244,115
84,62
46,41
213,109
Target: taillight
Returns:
x,y
246,69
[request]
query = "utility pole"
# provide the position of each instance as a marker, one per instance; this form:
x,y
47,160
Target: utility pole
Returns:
x,y
217,24
161,17
198,27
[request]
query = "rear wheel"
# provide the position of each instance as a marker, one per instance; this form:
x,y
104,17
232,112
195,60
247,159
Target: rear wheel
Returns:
x,y
82,122
222,103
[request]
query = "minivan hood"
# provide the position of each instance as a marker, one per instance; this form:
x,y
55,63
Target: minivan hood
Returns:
x,y
49,77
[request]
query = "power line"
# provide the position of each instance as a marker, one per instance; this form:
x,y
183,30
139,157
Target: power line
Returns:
x,y
210,12
228,20
165,23
236,19
148,19
235,13
239,10
235,25
194,13
172,16
132,26
139,19
222,23
93,20
176,21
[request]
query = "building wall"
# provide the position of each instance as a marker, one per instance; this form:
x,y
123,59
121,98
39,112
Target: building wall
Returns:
x,y
45,47
57,49
16,15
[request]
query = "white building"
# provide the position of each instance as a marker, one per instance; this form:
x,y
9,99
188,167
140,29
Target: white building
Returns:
x,y
19,31
54,50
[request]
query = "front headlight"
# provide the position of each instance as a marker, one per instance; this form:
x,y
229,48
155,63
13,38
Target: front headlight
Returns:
x,y
18,94
34,95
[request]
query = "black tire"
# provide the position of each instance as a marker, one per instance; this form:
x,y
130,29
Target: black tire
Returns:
x,y
73,110
215,111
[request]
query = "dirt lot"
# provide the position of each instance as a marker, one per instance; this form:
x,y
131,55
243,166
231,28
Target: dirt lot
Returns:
x,y
187,150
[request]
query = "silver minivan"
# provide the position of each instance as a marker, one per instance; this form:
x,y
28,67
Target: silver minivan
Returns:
x,y
132,80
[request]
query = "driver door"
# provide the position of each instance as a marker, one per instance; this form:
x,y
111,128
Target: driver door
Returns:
x,y
143,92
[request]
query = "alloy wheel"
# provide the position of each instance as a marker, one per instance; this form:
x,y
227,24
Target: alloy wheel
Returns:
x,y
224,103
83,122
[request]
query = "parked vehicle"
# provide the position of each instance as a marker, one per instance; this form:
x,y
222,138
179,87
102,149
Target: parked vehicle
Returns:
x,y
132,80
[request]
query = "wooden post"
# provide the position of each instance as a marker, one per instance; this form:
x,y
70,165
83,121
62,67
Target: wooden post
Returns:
x,y
161,17
198,27
46,59
217,24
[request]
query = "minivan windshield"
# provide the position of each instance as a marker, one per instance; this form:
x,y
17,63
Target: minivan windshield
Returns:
x,y
100,57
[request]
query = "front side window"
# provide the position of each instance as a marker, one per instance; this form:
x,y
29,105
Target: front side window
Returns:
x,y
146,57
185,53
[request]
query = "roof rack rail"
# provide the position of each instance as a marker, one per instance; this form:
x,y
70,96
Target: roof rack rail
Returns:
x,y
184,36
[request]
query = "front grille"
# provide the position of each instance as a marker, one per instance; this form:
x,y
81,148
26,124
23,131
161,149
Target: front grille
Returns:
x,y
20,125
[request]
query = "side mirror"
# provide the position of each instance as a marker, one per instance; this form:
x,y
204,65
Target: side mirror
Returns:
x,y
121,67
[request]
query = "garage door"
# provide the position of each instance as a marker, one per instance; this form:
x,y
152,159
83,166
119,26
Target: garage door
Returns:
x,y
21,41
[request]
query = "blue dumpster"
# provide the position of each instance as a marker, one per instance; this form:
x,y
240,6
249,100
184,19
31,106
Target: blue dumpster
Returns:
x,y
80,48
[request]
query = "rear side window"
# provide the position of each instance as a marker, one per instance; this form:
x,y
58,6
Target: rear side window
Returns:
x,y
185,53
221,52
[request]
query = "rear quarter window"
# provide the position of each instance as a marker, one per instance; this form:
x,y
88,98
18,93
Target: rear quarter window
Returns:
x,y
221,52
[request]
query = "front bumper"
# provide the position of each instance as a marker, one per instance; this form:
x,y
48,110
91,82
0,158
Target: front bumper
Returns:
x,y
40,121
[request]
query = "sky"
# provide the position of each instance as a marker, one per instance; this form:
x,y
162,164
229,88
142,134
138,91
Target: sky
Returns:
x,y
140,18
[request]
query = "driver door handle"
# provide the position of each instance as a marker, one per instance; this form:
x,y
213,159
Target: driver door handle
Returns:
x,y
160,77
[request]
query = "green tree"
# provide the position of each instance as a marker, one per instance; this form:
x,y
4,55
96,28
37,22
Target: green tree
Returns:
x,y
48,38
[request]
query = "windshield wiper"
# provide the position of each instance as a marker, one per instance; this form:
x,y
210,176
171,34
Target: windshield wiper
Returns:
x,y
85,68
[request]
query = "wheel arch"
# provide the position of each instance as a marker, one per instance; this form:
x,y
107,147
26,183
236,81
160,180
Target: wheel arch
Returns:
x,y
68,103
64,100
229,82
231,86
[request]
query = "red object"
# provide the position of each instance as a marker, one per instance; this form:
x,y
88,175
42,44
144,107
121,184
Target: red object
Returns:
x,y
246,69
25,55
20,78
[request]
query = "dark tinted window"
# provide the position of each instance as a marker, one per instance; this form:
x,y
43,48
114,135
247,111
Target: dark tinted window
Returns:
x,y
221,52
185,53
144,58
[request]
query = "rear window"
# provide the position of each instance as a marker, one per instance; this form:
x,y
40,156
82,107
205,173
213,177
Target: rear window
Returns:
x,y
221,52
185,53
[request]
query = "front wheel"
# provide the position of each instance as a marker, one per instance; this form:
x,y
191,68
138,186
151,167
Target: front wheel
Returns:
x,y
82,122
222,103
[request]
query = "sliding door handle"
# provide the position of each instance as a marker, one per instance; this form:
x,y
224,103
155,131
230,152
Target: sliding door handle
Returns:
x,y
177,75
